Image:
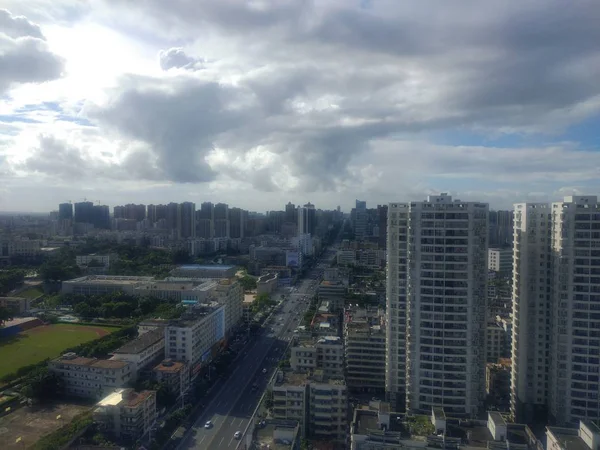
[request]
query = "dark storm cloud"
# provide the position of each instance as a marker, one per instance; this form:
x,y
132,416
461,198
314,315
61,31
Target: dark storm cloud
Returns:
x,y
24,54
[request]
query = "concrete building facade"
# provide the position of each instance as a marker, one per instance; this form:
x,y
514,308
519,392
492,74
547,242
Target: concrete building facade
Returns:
x,y
436,298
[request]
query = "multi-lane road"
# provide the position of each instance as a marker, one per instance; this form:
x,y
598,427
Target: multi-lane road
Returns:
x,y
233,403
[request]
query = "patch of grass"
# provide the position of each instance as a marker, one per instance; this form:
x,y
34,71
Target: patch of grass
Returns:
x,y
37,344
31,293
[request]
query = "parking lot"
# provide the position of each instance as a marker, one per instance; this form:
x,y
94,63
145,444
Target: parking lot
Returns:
x,y
32,422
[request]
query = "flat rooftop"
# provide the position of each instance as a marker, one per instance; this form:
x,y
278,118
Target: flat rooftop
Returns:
x,y
108,280
215,267
568,438
265,436
125,397
92,362
169,366
142,342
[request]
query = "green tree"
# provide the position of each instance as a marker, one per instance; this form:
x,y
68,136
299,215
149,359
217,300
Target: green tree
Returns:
x,y
248,283
6,314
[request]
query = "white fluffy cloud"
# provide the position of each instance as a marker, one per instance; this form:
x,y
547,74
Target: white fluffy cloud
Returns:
x,y
24,53
327,100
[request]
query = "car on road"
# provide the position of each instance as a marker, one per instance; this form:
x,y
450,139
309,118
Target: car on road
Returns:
x,y
208,424
237,434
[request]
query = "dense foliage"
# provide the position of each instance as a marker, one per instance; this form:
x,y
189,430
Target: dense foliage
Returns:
x,y
10,279
248,282
262,302
115,305
6,314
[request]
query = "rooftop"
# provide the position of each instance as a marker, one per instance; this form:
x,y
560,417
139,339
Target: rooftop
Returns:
x,y
568,438
125,397
169,366
267,435
108,279
73,359
142,342
215,267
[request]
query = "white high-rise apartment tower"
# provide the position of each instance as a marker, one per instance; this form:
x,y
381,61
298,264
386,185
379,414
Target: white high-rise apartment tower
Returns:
x,y
437,295
531,310
567,313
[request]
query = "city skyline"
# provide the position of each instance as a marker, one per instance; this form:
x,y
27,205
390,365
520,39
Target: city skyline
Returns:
x,y
331,101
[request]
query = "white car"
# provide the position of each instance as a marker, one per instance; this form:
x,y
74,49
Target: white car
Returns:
x,y
208,424
237,434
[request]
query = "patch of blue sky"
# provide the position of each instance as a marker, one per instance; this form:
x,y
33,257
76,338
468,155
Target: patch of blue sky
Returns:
x,y
17,118
44,106
586,133
471,139
74,119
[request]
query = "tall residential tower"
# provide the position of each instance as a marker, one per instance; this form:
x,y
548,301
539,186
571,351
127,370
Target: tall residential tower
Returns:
x,y
436,301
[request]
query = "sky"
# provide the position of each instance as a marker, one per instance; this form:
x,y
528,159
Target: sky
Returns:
x,y
259,102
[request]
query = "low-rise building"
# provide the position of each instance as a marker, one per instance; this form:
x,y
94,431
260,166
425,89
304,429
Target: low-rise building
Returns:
x,y
90,377
317,402
586,437
267,284
103,284
18,305
143,351
364,347
230,293
376,428
174,374
204,271
326,353
94,263
178,289
334,293
126,414
152,324
278,435
193,338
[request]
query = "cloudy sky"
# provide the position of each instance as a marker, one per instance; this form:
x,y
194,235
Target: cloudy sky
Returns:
x,y
257,102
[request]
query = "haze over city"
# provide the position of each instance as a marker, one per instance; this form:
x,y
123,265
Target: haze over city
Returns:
x,y
260,102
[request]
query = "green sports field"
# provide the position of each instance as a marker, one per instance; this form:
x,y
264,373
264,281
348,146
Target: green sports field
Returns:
x,y
48,341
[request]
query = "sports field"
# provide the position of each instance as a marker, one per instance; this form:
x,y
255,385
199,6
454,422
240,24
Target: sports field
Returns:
x,y
47,341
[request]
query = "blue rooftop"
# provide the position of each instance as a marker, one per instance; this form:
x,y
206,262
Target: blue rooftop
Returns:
x,y
205,267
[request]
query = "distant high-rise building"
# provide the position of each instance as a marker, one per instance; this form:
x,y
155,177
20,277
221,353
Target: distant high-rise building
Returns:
x,y
360,219
161,212
291,213
436,305
221,220
237,222
556,310
101,217
501,228
65,211
187,226
151,213
174,218
307,216
84,212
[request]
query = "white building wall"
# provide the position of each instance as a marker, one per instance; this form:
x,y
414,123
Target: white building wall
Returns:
x,y
531,308
446,305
